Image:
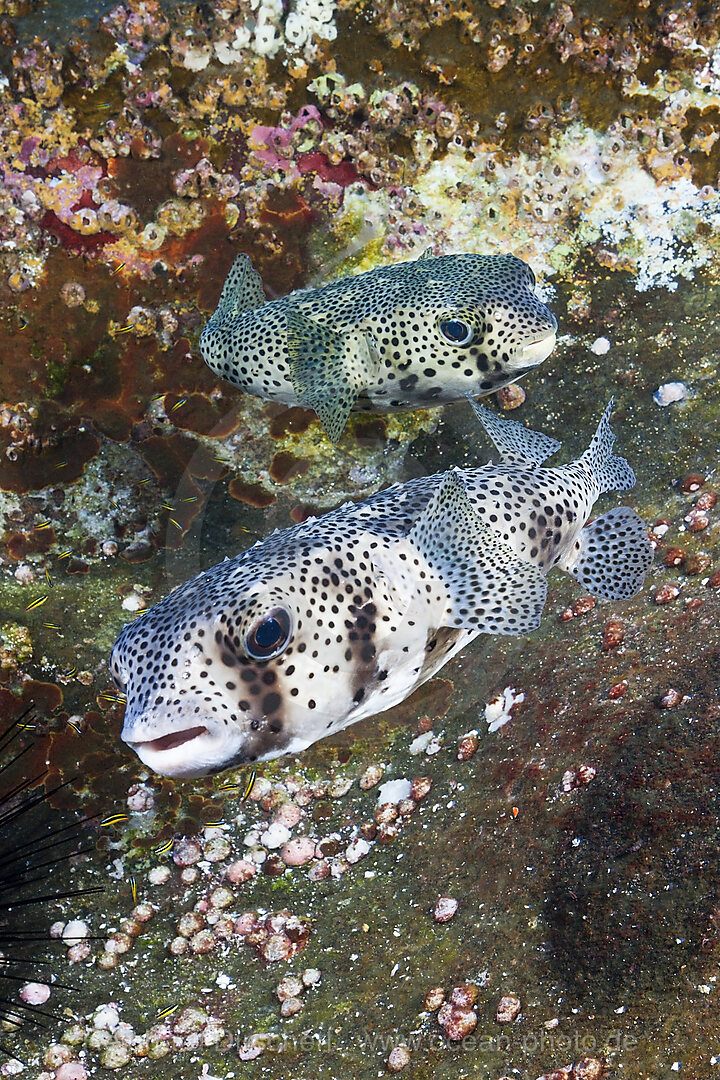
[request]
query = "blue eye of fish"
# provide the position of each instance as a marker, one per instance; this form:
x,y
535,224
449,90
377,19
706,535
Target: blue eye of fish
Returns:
x,y
456,331
269,635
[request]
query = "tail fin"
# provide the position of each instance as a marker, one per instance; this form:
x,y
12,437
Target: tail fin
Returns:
x,y
611,473
242,291
611,555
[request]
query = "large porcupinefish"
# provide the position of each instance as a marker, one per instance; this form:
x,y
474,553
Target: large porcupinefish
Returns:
x,y
404,336
343,616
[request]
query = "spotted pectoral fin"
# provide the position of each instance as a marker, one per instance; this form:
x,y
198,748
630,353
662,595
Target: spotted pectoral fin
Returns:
x,y
517,444
329,370
491,588
612,555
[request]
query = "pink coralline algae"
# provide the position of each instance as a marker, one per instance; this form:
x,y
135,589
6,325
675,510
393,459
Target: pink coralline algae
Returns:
x,y
278,146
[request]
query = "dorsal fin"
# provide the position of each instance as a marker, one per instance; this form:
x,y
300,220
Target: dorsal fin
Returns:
x,y
517,444
242,291
328,370
491,588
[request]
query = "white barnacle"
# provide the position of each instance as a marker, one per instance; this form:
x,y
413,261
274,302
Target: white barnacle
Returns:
x,y
497,711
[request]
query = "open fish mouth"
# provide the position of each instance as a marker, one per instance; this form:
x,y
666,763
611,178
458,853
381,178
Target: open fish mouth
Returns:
x,y
170,741
186,752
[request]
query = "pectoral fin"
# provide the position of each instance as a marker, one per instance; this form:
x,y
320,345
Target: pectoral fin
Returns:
x,y
491,588
329,370
394,576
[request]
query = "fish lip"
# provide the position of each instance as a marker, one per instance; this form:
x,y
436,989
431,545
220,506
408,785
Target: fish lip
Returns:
x,y
185,753
538,349
172,740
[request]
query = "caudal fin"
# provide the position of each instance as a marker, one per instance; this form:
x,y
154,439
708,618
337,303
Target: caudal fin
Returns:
x,y
612,555
612,473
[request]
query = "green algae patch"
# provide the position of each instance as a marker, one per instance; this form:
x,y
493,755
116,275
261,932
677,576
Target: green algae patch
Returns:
x,y
15,648
57,375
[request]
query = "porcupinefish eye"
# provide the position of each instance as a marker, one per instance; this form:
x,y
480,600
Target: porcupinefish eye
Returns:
x,y
269,635
456,331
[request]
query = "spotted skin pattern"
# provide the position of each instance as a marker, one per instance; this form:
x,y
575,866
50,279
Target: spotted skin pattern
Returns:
x,y
342,617
403,336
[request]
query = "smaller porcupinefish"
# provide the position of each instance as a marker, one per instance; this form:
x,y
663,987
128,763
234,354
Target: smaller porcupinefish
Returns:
x,y
404,336
343,616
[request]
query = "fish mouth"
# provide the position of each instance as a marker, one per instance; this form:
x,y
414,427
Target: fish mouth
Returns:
x,y
534,352
173,739
186,752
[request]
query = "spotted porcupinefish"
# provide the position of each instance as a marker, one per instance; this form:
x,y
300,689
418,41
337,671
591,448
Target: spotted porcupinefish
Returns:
x,y
343,616
404,336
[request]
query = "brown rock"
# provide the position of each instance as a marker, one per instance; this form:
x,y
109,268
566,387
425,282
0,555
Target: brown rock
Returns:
x,y
706,501
692,482
398,1058
698,563
666,593
674,556
583,605
467,746
508,1008
445,908
613,634
434,998
464,996
588,1069
457,1023
420,787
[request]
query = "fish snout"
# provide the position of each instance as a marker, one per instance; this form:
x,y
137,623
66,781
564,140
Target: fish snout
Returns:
x,y
539,341
538,349
183,746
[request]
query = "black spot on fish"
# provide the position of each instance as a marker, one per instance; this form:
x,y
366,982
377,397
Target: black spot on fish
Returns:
x,y
271,703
